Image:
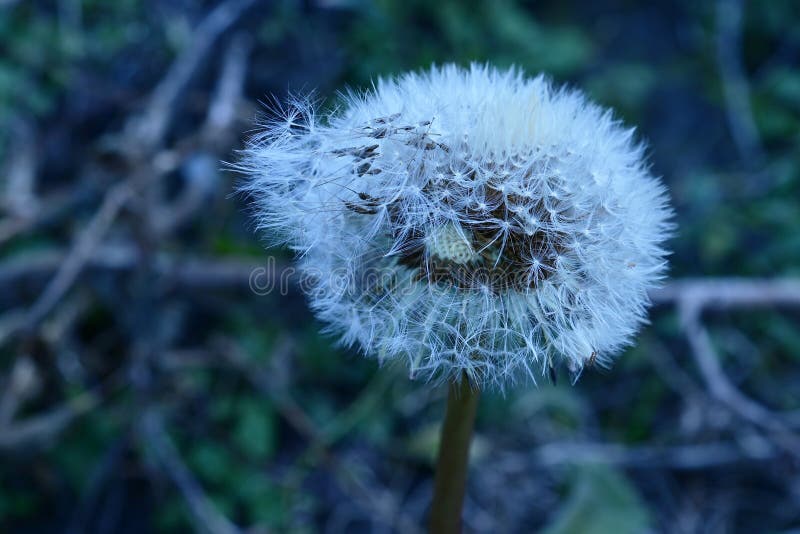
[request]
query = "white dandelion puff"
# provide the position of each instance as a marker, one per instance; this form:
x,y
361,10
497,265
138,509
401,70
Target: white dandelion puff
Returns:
x,y
466,221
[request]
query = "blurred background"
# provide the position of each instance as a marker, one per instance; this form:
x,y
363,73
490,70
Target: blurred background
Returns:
x,y
148,383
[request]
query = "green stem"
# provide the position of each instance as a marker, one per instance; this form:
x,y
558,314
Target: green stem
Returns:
x,y
451,467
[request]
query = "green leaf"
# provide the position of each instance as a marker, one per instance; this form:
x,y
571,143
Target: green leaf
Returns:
x,y
601,501
211,462
255,429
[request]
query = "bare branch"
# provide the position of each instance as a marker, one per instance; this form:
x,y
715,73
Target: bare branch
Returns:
x,y
702,294
84,246
723,390
387,510
23,383
266,383
204,514
19,197
48,209
735,87
39,429
149,129
228,93
723,293
682,457
183,272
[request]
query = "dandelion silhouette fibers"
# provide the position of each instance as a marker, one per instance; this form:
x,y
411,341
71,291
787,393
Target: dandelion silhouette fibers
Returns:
x,y
468,221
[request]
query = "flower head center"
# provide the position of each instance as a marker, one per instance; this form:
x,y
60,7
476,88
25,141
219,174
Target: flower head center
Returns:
x,y
451,243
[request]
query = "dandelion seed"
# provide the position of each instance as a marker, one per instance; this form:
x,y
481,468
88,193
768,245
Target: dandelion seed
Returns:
x,y
518,222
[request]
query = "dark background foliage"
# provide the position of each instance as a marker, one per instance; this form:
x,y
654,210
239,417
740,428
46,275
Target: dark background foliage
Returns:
x,y
146,387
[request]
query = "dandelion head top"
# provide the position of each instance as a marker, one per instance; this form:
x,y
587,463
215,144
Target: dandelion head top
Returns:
x,y
466,221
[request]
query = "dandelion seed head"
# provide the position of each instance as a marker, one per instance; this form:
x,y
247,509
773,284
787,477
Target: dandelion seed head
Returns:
x,y
478,221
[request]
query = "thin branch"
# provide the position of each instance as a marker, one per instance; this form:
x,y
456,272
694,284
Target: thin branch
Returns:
x,y
19,196
204,514
84,246
735,87
386,508
149,129
106,469
701,293
679,457
183,272
42,428
723,390
264,381
49,209
228,93
723,293
22,384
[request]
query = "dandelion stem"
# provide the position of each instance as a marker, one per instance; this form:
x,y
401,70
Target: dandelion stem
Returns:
x,y
451,467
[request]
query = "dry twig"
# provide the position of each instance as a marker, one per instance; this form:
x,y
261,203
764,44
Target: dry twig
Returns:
x,y
84,246
204,514
42,428
149,129
735,87
725,293
680,457
723,390
228,93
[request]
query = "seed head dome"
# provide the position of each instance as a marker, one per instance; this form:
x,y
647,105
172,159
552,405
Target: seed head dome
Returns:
x,y
466,220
